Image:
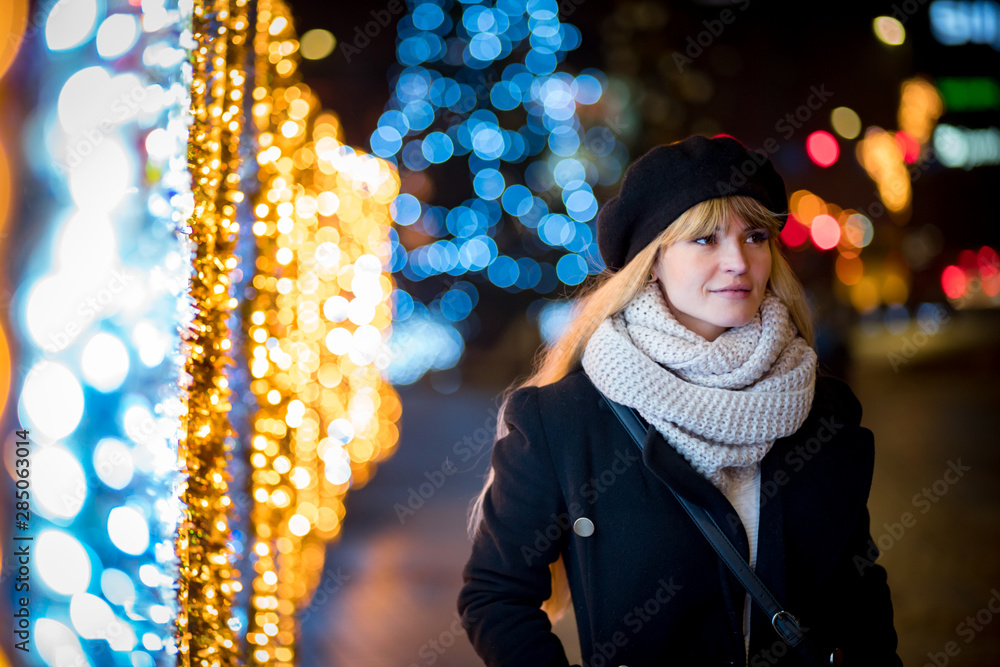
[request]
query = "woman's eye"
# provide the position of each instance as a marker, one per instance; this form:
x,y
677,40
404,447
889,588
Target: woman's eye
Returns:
x,y
760,236
705,238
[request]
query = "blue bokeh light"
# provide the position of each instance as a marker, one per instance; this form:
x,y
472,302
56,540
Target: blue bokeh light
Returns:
x,y
405,209
571,269
427,16
437,147
488,183
466,109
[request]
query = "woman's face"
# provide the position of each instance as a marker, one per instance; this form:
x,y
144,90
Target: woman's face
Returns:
x,y
694,277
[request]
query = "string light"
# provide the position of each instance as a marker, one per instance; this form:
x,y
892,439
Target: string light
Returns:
x,y
208,579
316,328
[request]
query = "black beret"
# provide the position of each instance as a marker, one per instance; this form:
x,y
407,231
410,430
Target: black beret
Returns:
x,y
671,178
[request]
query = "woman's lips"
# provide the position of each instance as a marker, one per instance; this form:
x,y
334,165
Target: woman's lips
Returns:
x,y
733,293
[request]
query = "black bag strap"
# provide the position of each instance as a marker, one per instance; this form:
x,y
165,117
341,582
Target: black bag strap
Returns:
x,y
783,622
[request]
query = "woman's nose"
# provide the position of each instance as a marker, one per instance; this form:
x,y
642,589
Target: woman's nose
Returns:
x,y
733,258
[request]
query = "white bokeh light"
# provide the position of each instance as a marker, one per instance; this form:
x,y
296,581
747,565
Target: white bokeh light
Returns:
x,y
87,239
62,306
361,311
113,463
62,562
366,344
340,430
70,23
159,144
59,482
105,362
159,613
117,586
335,308
53,399
339,341
151,343
337,464
92,102
103,178
91,616
328,255
128,530
58,645
117,34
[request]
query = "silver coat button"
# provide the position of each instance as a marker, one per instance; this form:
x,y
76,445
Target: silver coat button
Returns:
x,y
583,527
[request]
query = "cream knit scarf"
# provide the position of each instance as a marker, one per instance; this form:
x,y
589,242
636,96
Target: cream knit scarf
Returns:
x,y
721,404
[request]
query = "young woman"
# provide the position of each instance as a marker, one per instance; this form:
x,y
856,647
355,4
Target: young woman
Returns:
x,y
701,327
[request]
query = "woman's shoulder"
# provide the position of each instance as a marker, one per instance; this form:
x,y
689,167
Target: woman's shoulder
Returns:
x,y
571,397
834,396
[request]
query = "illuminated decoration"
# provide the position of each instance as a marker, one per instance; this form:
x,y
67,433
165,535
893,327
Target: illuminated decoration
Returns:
x,y
208,579
95,317
822,148
317,329
960,147
889,30
969,93
962,22
134,315
845,122
479,83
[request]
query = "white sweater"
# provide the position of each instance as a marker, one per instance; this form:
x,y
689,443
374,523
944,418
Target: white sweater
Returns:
x,y
745,498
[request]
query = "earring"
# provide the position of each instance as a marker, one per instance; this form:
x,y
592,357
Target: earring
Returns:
x,y
650,278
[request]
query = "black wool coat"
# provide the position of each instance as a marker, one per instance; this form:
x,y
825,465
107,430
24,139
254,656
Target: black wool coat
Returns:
x,y
647,587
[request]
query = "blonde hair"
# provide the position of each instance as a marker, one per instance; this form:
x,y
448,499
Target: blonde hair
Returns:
x,y
611,292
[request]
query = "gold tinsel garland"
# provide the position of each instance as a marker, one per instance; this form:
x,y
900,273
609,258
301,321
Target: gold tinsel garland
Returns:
x,y
325,417
207,576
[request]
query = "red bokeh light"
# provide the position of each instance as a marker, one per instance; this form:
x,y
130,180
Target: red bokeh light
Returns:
x,y
822,148
987,258
825,231
908,147
794,233
953,281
